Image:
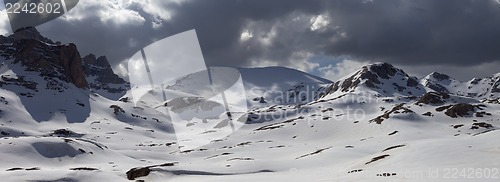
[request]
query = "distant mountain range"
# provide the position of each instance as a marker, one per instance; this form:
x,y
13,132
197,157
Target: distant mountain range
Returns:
x,y
70,118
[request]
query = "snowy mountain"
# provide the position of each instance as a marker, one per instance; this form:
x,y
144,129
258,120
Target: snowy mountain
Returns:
x,y
280,85
102,79
482,88
383,79
68,118
380,78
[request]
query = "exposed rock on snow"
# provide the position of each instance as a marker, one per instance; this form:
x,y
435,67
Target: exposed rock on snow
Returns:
x,y
433,98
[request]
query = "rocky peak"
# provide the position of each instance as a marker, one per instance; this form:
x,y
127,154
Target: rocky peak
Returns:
x,y
29,33
475,81
101,77
101,62
100,68
35,53
387,80
496,85
438,82
384,70
382,78
439,76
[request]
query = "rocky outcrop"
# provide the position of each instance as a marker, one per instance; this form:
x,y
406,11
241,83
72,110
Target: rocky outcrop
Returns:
x,y
412,82
435,80
101,69
439,76
58,64
384,70
101,77
461,110
138,172
496,87
396,110
71,62
29,33
52,61
433,98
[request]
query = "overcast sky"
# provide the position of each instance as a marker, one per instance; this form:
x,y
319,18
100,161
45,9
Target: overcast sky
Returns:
x,y
329,38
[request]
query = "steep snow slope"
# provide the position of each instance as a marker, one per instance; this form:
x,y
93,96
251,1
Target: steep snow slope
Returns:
x,y
263,86
322,140
280,85
351,137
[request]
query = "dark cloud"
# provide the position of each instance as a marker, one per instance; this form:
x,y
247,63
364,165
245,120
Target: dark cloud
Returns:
x,y
403,32
462,32
219,24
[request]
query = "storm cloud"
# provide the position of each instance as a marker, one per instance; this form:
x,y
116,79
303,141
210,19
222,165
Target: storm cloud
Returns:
x,y
309,35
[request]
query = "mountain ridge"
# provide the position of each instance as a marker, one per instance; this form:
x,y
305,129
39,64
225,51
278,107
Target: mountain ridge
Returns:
x,y
40,54
387,80
62,61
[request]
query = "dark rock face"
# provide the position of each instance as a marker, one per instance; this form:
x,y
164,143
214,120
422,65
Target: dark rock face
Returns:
x,y
434,98
496,87
262,100
40,54
384,70
437,88
371,74
412,82
476,126
103,73
71,62
29,33
138,172
440,76
371,78
36,53
427,114
101,68
460,110
116,109
144,171
375,74
19,81
350,83
331,88
396,110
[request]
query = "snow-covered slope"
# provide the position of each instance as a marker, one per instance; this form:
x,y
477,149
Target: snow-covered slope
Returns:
x,y
263,86
377,124
280,85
